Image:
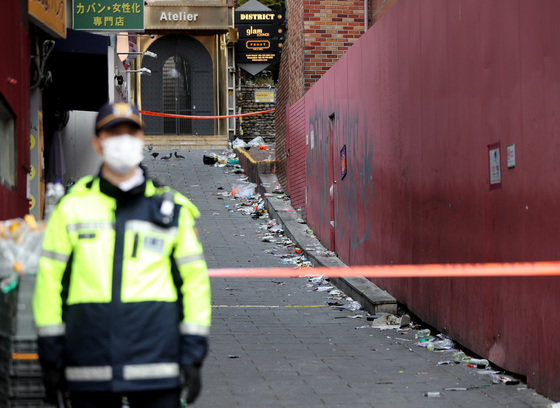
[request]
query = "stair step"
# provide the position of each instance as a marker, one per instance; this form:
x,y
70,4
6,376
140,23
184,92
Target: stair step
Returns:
x,y
188,142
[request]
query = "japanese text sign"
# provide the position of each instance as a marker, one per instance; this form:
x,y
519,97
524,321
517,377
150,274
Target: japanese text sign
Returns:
x,y
99,15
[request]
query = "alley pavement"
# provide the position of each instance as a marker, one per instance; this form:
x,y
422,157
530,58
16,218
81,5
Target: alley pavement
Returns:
x,y
295,343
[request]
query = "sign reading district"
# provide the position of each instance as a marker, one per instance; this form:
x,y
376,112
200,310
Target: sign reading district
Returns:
x,y
257,17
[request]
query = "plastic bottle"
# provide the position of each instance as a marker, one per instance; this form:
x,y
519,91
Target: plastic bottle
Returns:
x,y
479,362
459,356
50,200
59,190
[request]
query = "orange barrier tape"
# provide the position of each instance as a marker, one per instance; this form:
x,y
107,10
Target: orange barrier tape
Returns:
x,y
172,115
401,271
25,356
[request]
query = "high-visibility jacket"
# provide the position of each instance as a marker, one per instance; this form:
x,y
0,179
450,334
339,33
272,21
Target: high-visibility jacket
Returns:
x,y
122,298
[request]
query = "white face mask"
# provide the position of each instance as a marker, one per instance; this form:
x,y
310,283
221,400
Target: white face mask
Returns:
x,y
122,153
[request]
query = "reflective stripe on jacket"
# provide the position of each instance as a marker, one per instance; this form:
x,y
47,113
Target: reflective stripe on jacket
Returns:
x,y
122,298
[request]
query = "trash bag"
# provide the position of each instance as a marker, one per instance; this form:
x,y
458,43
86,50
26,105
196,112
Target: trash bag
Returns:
x,y
20,246
445,344
256,142
209,159
243,189
238,143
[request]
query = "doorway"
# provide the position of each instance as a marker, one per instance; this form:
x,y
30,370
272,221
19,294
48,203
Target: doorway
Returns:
x,y
181,83
177,95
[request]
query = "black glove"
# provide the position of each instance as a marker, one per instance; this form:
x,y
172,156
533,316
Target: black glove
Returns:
x,y
54,382
191,382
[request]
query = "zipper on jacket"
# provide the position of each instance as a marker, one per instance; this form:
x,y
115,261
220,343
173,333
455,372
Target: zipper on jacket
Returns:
x,y
135,246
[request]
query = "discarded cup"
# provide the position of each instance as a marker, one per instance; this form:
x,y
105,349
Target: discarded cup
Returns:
x,y
422,334
432,394
459,356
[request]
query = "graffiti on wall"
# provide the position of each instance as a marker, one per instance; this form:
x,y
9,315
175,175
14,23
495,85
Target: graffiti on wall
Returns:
x,y
352,195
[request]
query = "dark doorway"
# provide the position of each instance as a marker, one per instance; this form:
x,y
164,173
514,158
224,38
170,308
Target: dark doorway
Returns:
x,y
177,95
181,83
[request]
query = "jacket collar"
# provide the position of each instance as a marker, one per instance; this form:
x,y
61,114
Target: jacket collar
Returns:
x,y
107,188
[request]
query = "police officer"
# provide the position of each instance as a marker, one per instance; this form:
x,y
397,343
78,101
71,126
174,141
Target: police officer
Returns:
x,y
122,299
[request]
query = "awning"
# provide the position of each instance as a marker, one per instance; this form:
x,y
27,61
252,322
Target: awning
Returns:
x,y
82,42
79,69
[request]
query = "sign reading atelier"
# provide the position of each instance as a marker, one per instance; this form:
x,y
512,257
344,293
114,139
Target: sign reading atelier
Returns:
x,y
181,16
100,15
175,16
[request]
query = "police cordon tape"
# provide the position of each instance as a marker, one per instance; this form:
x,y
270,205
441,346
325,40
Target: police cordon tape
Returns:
x,y
172,115
480,270
521,269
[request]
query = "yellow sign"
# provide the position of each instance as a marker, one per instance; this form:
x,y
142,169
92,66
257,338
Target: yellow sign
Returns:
x,y
31,200
258,16
258,45
49,15
265,95
31,172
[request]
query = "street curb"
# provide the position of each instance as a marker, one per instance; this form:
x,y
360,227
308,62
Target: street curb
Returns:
x,y
370,296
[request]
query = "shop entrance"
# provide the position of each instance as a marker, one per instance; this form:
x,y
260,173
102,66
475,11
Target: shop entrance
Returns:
x,y
180,83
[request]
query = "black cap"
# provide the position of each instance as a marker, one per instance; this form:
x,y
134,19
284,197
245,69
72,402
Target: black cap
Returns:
x,y
112,114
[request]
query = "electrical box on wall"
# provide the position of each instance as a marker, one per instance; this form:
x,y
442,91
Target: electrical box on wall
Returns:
x,y
511,156
495,171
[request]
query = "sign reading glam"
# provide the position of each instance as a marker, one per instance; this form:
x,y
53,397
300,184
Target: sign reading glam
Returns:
x,y
180,16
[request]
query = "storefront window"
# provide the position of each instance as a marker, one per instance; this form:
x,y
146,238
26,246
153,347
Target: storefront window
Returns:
x,y
7,146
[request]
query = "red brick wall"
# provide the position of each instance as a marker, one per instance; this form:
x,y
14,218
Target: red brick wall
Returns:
x,y
319,33
330,28
290,85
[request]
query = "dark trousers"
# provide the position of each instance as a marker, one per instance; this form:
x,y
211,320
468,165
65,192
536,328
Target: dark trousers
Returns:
x,y
141,399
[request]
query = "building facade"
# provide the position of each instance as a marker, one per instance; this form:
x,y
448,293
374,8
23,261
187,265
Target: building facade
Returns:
x,y
193,73
433,141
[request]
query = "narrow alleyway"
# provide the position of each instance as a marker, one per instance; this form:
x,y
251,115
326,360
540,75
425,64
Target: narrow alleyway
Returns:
x,y
277,343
